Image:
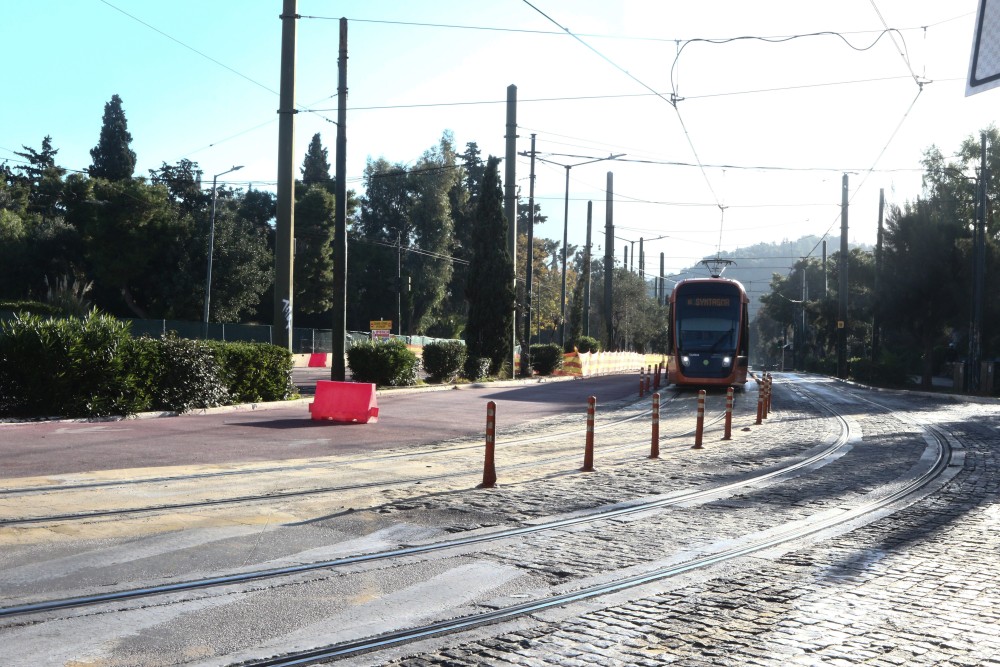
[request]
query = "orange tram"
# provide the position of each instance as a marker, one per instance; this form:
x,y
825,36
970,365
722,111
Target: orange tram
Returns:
x,y
708,333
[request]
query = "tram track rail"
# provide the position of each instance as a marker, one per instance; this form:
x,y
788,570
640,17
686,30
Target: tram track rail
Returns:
x,y
795,531
679,498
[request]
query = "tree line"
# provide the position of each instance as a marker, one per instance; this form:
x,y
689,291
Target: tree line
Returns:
x,y
910,302
424,245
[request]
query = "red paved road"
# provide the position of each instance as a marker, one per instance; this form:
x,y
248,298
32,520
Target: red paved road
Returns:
x,y
287,432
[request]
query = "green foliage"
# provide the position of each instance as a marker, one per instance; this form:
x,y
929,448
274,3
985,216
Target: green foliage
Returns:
x,y
888,371
490,290
113,159
66,367
29,307
476,368
316,165
314,227
255,372
586,344
546,359
387,363
432,181
180,374
444,359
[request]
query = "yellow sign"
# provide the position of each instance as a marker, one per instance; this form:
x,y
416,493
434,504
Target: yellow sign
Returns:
x,y
840,324
380,325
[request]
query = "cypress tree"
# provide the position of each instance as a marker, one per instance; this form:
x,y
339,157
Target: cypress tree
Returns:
x,y
490,288
316,165
113,159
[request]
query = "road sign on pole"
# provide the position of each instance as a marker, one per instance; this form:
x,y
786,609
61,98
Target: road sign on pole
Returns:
x,y
984,65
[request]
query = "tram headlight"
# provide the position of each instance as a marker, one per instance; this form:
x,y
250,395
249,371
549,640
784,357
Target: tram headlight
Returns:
x,y
727,361
685,361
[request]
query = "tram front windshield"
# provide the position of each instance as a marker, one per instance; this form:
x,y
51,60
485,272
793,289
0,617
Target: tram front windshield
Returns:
x,y
708,322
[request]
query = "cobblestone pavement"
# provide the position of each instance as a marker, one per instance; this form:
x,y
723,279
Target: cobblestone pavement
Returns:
x,y
916,588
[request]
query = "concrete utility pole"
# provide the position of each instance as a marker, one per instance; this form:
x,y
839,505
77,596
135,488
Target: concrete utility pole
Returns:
x,y
876,323
978,274
842,297
338,364
609,262
661,287
528,268
510,205
586,271
826,286
285,227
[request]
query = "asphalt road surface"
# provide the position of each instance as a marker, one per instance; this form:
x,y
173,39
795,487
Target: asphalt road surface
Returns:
x,y
286,431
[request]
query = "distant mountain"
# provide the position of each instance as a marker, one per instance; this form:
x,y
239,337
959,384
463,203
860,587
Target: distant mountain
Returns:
x,y
754,266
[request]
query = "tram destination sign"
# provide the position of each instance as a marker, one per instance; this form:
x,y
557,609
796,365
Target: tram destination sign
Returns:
x,y
709,301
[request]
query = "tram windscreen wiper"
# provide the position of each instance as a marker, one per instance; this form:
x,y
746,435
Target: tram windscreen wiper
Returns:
x,y
725,334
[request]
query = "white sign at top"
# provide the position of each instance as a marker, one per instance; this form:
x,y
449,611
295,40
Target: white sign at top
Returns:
x,y
984,66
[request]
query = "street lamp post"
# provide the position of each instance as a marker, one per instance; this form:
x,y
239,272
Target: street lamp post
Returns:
x,y
567,167
211,251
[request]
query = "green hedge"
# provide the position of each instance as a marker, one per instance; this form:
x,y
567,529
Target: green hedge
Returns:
x,y
66,367
445,359
255,372
387,363
546,359
92,367
587,344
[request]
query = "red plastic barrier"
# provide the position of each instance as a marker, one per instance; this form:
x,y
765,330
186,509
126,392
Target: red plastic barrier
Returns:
x,y
317,360
347,402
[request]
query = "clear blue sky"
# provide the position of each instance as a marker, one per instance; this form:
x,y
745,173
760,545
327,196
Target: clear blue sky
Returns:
x,y
199,80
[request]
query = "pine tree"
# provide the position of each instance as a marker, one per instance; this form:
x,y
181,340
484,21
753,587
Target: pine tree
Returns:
x,y
490,290
316,165
113,159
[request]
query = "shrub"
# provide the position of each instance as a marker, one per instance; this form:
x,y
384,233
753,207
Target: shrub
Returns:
x,y
888,371
182,374
546,359
587,344
254,372
444,359
477,368
66,367
387,363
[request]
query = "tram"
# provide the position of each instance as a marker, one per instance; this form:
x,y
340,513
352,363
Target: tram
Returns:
x,y
708,333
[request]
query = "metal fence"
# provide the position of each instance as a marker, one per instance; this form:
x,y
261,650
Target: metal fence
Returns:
x,y
304,340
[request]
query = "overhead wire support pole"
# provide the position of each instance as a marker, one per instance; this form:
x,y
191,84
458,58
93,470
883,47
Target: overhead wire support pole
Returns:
x,y
979,271
842,296
338,363
510,206
285,214
528,268
567,167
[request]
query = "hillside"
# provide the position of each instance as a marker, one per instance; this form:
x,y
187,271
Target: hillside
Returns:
x,y
754,265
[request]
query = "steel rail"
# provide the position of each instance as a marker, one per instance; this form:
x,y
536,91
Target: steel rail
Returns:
x,y
268,573
796,532
279,495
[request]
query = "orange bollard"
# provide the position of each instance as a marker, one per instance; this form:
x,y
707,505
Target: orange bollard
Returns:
x,y
728,435
489,469
766,393
588,453
654,451
760,402
700,428
642,382
649,378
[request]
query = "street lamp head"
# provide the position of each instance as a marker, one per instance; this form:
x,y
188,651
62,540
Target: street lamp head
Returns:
x,y
234,168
